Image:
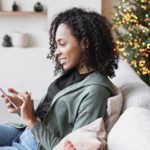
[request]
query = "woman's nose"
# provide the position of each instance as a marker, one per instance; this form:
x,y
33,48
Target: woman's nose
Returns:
x,y
57,52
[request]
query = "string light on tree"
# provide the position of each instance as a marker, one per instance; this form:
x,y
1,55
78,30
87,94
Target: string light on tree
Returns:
x,y
134,39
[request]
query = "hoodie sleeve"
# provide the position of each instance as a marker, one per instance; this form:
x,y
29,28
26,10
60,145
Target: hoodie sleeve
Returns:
x,y
47,139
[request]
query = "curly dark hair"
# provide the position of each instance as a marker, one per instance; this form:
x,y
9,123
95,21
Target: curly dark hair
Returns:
x,y
101,53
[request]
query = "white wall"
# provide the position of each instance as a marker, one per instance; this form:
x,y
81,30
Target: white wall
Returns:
x,y
56,6
34,25
24,70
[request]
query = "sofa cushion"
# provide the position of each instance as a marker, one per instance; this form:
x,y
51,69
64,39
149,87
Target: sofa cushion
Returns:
x,y
114,106
135,92
131,131
91,136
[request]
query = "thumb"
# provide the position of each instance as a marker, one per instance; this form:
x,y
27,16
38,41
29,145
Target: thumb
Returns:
x,y
11,90
21,97
20,108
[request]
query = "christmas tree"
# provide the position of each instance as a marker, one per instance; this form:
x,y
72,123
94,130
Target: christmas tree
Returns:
x,y
131,25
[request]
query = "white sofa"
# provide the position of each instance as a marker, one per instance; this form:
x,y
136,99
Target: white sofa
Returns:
x,y
132,129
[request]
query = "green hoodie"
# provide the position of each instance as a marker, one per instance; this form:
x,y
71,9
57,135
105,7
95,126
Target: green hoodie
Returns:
x,y
73,107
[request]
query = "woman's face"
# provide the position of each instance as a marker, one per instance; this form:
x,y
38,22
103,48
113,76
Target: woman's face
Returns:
x,y
68,47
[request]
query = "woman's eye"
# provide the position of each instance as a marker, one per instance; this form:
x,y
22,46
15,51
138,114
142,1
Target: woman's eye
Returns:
x,y
62,44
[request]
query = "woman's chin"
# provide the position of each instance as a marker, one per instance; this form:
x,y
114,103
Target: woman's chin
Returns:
x,y
66,67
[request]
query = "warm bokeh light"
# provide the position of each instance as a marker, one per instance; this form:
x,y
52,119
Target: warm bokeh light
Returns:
x,y
131,25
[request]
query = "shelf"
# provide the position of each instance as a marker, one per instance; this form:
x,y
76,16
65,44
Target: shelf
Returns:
x,y
22,13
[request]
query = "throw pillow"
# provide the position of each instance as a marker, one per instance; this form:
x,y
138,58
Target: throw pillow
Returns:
x,y
132,131
91,136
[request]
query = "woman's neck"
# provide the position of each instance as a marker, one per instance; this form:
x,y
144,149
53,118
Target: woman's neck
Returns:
x,y
85,70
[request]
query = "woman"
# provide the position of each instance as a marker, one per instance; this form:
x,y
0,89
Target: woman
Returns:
x,y
83,48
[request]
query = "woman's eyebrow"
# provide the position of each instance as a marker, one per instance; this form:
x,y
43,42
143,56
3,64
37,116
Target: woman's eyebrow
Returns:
x,y
61,39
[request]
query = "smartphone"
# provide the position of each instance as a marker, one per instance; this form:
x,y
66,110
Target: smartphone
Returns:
x,y
8,98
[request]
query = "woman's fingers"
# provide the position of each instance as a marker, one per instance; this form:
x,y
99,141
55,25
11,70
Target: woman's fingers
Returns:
x,y
1,95
14,110
9,105
11,90
23,92
24,96
30,94
6,100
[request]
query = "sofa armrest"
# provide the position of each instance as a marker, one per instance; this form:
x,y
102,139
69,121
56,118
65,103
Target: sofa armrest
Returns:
x,y
131,131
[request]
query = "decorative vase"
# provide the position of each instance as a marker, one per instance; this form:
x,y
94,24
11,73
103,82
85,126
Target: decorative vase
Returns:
x,y
14,7
7,41
20,39
38,7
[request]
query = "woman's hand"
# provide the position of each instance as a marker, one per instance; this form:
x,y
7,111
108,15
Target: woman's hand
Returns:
x,y
27,109
18,102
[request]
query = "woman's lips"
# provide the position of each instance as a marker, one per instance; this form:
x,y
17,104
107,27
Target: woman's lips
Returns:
x,y
62,61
